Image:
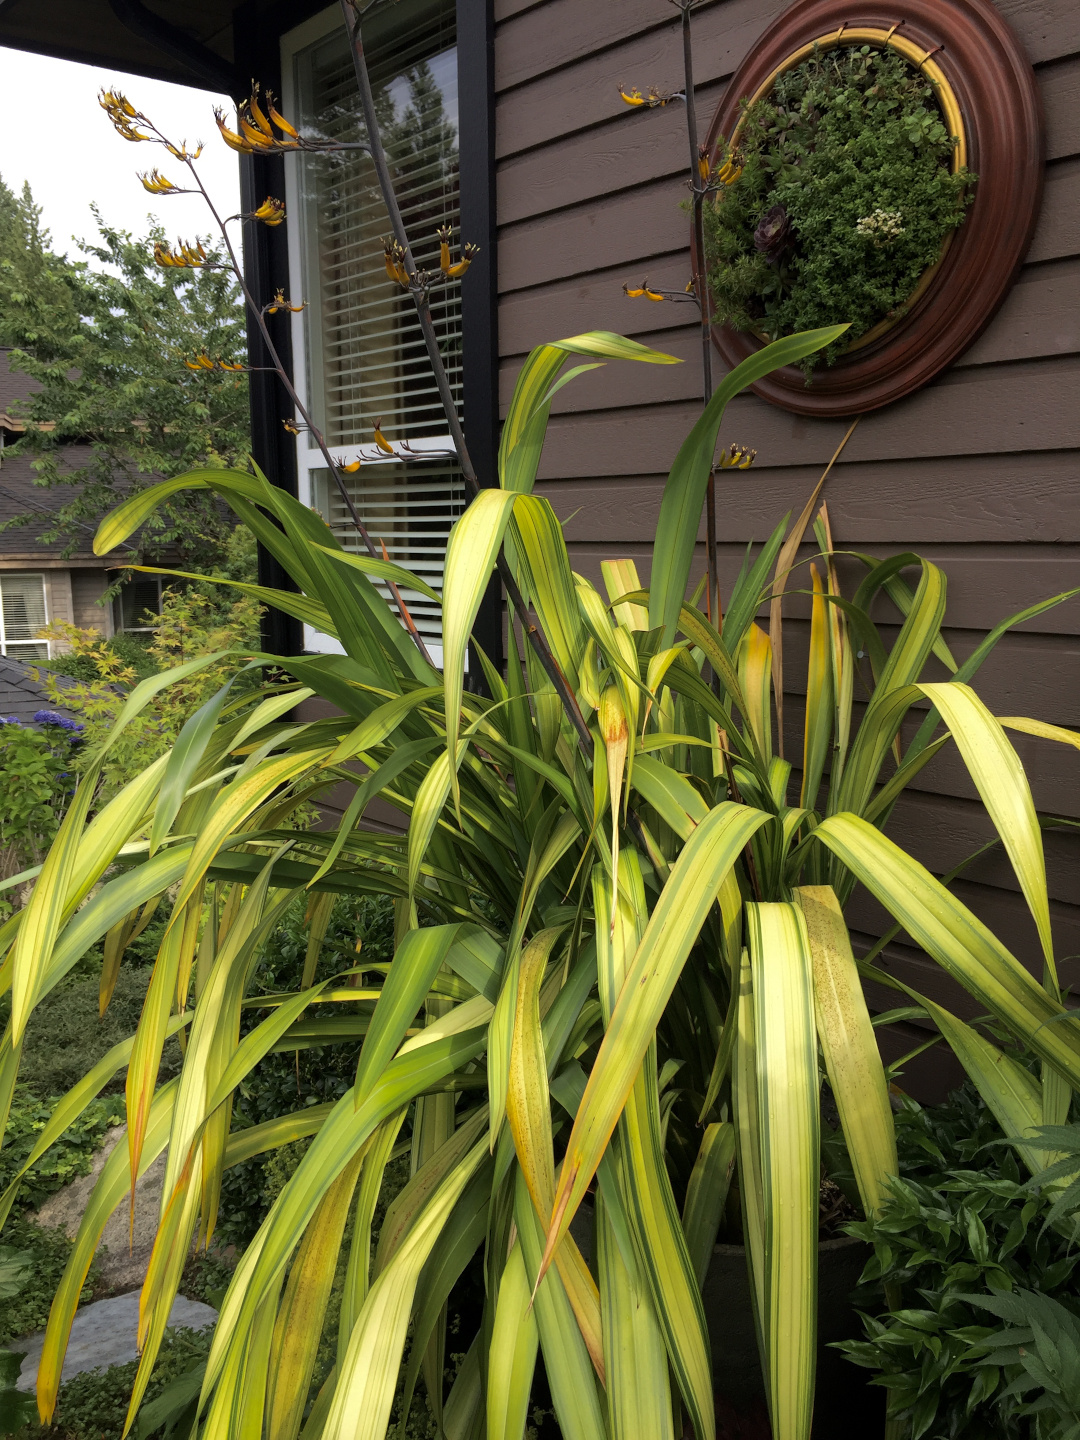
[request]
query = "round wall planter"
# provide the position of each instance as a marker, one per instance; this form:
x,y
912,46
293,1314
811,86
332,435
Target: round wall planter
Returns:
x,y
988,86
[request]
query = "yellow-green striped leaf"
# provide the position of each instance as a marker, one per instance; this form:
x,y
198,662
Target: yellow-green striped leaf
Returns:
x,y
849,1045
788,1127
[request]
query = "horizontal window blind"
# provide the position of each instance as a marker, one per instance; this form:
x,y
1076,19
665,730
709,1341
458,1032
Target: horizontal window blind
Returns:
x,y
411,515
367,359
22,615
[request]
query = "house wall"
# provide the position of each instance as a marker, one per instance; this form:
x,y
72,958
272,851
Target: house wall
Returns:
x,y
58,596
978,472
87,588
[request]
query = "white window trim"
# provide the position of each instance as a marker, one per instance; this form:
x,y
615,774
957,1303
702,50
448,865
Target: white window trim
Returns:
x,y
46,599
309,457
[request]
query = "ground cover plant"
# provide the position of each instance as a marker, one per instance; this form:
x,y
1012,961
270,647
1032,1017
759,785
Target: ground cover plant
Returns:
x,y
843,198
965,1230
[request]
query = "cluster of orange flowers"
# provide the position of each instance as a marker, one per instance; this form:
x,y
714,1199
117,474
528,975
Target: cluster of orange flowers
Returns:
x,y
184,257
257,135
203,361
395,257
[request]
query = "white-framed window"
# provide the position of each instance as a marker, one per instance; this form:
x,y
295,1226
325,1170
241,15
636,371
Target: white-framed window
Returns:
x,y
23,612
134,607
358,352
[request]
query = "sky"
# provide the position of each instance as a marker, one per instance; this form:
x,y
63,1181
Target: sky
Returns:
x,y
58,138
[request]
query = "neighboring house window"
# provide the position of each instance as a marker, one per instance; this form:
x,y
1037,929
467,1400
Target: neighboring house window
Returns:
x,y
134,608
360,354
22,615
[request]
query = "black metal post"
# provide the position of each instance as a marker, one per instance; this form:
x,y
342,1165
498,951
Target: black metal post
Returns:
x,y
480,295
266,265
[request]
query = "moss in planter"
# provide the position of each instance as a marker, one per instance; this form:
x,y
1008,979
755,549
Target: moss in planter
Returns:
x,y
844,200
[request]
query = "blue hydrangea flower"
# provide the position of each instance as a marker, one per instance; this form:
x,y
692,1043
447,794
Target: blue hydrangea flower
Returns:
x,y
53,717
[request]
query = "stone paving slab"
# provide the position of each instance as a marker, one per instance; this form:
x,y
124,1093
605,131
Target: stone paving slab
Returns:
x,y
103,1334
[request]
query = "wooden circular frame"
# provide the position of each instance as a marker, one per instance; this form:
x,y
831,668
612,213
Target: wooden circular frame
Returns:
x,y
991,103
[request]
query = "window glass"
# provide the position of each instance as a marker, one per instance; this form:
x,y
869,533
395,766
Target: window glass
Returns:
x,y
22,607
366,354
366,360
136,603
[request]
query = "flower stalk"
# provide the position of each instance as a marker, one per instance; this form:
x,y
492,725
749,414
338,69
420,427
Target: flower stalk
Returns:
x,y
126,120
399,257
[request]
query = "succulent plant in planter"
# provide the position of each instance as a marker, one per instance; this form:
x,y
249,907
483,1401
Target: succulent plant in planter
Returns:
x,y
845,192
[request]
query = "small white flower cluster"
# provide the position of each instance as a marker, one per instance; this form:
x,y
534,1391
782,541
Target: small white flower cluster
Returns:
x,y
881,227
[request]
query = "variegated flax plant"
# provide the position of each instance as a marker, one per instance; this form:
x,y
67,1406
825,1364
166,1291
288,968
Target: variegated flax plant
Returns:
x,y
621,968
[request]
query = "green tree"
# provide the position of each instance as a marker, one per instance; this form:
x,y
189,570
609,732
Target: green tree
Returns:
x,y
105,339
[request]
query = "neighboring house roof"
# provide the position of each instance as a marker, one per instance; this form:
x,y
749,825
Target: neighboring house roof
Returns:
x,y
20,496
21,696
14,388
22,544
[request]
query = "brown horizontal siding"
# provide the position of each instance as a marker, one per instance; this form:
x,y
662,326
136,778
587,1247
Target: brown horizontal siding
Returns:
x,y
958,498
980,471
629,149
984,585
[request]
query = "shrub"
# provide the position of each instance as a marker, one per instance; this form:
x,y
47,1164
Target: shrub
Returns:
x,y
64,1161
67,1035
963,1225
289,1080
27,1311
93,1405
37,765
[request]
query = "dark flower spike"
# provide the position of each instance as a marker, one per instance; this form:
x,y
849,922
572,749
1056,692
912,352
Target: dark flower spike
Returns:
x,y
394,255
270,212
655,99
280,303
738,457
